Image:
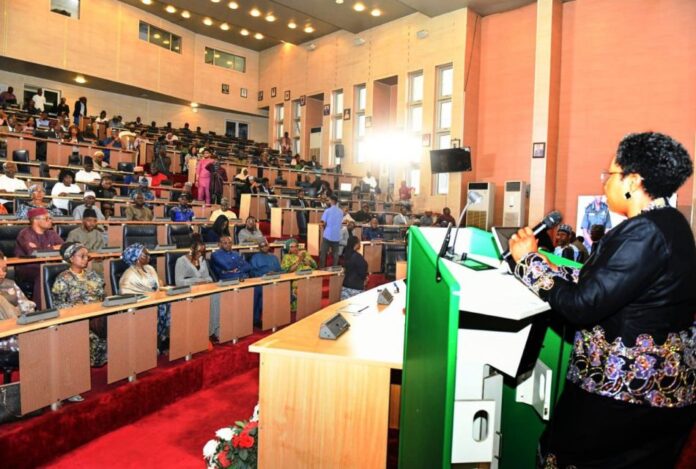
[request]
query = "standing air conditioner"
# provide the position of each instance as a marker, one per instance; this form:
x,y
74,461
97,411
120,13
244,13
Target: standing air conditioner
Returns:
x,y
480,214
514,203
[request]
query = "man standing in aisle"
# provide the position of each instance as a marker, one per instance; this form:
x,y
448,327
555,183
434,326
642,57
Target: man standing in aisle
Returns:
x,y
331,220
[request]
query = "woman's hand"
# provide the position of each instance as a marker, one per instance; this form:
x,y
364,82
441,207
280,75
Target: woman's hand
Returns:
x,y
522,243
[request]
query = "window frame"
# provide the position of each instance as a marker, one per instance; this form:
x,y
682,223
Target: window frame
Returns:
x,y
175,42
217,53
358,139
441,180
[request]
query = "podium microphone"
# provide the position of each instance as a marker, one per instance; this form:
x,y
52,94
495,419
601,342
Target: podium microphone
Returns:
x,y
472,198
549,221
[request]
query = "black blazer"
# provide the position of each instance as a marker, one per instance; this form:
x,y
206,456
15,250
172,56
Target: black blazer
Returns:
x,y
640,279
76,108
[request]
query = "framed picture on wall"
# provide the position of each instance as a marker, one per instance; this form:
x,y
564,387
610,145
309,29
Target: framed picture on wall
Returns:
x,y
243,92
225,88
287,95
327,110
274,91
260,96
538,150
303,100
346,114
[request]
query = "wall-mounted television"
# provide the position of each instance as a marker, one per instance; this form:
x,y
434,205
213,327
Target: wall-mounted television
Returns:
x,y
450,160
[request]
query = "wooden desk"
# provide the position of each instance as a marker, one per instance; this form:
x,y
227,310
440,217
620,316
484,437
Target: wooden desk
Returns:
x,y
333,394
400,270
254,205
284,220
372,252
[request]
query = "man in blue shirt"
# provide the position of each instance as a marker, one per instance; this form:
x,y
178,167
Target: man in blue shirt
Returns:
x,y
228,264
262,262
182,212
331,220
373,232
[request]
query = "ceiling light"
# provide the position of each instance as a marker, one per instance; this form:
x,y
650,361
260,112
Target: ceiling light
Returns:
x,y
156,35
255,12
170,9
207,21
194,105
166,41
340,2
422,34
244,32
80,79
225,27
270,18
359,7
146,2
358,41
376,12
215,1
258,36
233,5
186,14
311,46
217,56
308,29
292,25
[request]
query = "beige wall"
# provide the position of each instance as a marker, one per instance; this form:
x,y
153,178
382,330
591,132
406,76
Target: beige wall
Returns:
x,y
129,107
104,43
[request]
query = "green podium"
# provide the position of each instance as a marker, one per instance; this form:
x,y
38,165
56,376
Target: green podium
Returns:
x,y
484,361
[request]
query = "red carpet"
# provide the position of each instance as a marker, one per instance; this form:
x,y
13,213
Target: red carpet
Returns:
x,y
174,436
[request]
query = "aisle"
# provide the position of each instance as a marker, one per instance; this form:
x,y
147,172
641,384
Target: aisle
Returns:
x,y
174,436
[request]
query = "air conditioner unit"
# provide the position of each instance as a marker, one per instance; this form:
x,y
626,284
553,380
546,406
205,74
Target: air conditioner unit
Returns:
x,y
514,213
480,214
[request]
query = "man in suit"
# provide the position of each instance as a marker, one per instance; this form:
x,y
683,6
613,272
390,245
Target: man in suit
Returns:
x,y
80,109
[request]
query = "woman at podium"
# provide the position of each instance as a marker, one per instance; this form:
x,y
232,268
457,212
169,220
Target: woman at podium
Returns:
x,y
630,396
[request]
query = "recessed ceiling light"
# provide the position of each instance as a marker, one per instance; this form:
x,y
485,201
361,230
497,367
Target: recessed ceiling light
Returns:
x,y
217,56
292,25
270,18
225,27
207,21
340,2
186,14
215,1
233,5
166,41
170,9
244,32
359,7
156,35
80,79
308,29
194,105
376,12
146,2
258,36
255,12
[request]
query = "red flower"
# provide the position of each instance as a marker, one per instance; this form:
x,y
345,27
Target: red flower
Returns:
x,y
243,441
222,458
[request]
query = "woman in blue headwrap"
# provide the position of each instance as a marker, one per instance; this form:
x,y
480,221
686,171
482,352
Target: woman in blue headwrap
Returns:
x,y
141,277
143,188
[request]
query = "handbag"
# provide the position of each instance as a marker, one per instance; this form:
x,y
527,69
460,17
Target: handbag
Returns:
x,y
9,402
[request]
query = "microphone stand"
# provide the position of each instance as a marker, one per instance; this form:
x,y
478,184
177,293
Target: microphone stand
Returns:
x,y
445,251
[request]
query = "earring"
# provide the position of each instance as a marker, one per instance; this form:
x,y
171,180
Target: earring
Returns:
x,y
627,195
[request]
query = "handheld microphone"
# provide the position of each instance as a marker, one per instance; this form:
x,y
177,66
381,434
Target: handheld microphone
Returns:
x,y
549,221
472,198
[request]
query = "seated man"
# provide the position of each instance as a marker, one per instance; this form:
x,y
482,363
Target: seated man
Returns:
x,y
363,215
38,235
373,232
105,190
446,218
223,210
139,211
182,212
426,219
156,179
262,263
228,264
90,199
43,121
564,248
402,217
87,175
8,182
88,234
250,233
98,159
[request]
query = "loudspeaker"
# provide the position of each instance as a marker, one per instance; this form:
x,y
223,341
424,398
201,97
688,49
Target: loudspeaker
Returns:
x,y
385,297
339,151
333,328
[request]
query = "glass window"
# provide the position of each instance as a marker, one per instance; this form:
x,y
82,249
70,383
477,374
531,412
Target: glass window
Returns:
x,y
225,59
416,90
361,153
361,125
415,118
443,141
414,180
362,98
445,115
160,37
446,80
338,129
69,8
338,102
443,183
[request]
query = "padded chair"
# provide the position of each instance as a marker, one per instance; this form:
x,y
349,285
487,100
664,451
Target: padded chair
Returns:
x,y
41,147
237,229
170,259
49,273
8,238
125,167
21,156
179,235
72,204
74,160
44,170
144,234
64,230
118,267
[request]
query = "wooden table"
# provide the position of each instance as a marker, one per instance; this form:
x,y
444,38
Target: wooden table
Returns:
x,y
327,403
284,220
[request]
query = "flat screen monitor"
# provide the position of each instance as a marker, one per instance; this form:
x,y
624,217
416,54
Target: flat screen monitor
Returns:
x,y
346,187
450,160
502,235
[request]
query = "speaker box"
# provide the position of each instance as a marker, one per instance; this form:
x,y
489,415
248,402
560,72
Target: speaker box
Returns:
x,y
333,328
339,151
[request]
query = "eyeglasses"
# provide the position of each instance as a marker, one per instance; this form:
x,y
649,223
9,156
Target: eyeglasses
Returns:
x,y
605,175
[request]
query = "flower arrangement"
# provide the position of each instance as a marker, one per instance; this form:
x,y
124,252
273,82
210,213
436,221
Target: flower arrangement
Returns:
x,y
234,447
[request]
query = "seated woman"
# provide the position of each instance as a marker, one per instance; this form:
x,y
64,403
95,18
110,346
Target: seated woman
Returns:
x,y
355,268
220,228
12,304
144,189
192,268
141,277
64,188
293,261
79,285
36,200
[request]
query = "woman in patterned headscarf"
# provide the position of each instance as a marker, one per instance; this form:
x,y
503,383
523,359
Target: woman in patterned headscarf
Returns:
x,y
36,200
141,277
293,261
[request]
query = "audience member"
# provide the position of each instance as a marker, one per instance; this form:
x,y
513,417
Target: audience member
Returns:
x,y
13,302
144,189
579,243
39,100
405,193
355,270
107,209
8,182
219,229
346,214
250,233
42,121
346,233
402,217
90,199
331,220
223,210
105,190
363,215
8,97
87,233
98,160
563,246
370,180
228,264
300,214
139,211
203,175
64,188
87,175
156,179
181,212
192,267
373,232
262,263
63,109
426,219
295,260
446,218
80,109
36,200
218,178
73,135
